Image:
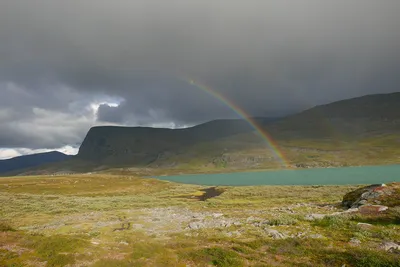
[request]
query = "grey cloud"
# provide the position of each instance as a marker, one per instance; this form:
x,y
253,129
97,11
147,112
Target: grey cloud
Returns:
x,y
269,57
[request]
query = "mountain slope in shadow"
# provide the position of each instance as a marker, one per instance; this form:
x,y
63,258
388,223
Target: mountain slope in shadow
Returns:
x,y
29,161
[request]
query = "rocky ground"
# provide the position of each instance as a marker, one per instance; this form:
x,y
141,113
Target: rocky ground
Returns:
x,y
127,221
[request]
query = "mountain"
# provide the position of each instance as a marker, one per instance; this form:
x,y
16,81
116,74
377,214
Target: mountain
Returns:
x,y
361,130
143,145
367,115
29,161
352,132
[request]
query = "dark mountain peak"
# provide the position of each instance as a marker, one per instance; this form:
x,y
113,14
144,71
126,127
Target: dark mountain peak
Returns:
x,y
145,144
33,160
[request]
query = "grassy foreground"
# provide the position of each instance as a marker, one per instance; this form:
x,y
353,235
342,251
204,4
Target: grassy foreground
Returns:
x,y
109,220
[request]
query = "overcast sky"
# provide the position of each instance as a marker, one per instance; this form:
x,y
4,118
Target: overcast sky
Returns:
x,y
68,65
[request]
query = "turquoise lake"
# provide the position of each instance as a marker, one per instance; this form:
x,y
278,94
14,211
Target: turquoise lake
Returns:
x,y
326,176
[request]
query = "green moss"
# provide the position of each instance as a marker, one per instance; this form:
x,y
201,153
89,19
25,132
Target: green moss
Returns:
x,y
57,250
60,260
218,257
369,258
10,258
145,249
112,263
334,222
5,227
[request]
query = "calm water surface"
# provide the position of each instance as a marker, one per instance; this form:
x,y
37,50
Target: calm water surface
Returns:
x,y
328,176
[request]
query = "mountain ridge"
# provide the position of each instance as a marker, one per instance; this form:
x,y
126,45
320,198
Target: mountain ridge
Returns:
x,y
353,132
32,160
341,121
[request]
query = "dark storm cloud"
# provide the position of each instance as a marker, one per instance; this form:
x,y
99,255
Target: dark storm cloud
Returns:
x,y
269,57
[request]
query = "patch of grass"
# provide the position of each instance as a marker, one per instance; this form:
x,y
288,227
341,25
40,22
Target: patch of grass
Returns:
x,y
10,258
149,253
84,185
112,263
57,250
389,217
369,258
333,222
144,249
60,260
320,253
5,227
217,256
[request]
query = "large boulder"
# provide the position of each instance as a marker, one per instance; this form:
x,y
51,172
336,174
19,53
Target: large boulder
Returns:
x,y
377,194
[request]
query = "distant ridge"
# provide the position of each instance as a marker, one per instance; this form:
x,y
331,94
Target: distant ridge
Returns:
x,y
29,161
366,115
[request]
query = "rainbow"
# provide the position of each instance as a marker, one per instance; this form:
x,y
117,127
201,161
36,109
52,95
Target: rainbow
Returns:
x,y
239,111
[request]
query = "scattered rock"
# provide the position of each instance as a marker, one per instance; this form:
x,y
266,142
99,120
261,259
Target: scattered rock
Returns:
x,y
354,242
299,235
390,246
315,216
376,194
275,234
316,236
349,211
212,223
364,226
250,219
226,224
372,209
196,225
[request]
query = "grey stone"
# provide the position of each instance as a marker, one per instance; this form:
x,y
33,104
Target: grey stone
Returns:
x,y
315,216
196,225
275,234
317,236
390,246
250,219
366,195
364,226
372,209
354,241
226,224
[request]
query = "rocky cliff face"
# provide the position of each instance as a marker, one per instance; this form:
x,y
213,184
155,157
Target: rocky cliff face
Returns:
x,y
143,145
